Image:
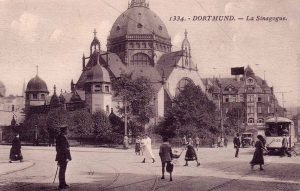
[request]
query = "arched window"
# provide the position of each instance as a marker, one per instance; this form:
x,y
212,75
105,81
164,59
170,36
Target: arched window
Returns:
x,y
181,85
260,120
250,120
141,59
107,109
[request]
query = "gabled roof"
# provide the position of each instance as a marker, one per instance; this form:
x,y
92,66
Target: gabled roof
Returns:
x,y
168,62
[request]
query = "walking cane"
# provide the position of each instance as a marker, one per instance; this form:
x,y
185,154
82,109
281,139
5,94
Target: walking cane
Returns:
x,y
55,174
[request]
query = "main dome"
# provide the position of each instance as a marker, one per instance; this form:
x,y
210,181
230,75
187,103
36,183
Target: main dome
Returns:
x,y
138,19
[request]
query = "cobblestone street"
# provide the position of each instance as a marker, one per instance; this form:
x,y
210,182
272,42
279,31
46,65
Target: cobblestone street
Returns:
x,y
114,169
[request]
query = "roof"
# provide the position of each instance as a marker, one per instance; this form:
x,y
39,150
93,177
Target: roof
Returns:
x,y
278,119
36,84
138,20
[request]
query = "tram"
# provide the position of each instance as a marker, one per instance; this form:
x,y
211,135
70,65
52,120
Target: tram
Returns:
x,y
275,128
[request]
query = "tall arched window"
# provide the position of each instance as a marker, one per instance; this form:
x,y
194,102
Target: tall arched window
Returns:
x,y
141,59
181,85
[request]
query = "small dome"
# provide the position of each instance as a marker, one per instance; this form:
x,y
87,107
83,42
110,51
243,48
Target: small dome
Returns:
x,y
97,73
2,89
36,84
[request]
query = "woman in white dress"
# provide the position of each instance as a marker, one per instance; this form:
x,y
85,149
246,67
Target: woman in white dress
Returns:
x,y
148,149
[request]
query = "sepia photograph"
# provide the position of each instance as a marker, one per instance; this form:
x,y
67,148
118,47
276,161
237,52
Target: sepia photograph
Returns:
x,y
146,95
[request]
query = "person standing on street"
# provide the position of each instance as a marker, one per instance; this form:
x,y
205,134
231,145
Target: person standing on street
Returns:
x,y
138,146
237,144
165,153
63,156
148,149
197,140
284,148
15,151
258,156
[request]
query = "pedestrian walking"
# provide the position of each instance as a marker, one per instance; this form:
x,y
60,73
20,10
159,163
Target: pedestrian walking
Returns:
x,y
138,146
148,149
197,141
237,144
165,153
258,156
191,155
284,147
15,151
63,156
190,141
225,142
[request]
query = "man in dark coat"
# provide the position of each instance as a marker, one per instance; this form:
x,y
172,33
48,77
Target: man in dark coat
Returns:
x,y
15,151
165,153
63,156
237,144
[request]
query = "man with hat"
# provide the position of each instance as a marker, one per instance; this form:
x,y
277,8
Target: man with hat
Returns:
x,y
63,155
285,143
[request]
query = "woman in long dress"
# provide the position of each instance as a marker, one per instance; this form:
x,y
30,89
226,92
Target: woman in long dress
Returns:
x,y
191,155
148,149
15,151
258,156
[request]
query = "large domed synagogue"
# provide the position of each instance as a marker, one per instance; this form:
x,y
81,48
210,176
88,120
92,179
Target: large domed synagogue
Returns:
x,y
138,44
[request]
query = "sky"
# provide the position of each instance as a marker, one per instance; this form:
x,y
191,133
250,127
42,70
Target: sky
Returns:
x,y
54,34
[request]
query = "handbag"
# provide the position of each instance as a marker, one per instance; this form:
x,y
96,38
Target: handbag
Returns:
x,y
169,167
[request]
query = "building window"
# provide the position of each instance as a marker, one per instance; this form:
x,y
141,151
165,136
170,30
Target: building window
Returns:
x,y
226,99
250,98
232,98
259,110
250,109
140,59
144,45
107,109
259,99
260,120
182,83
34,96
42,96
131,45
97,88
138,45
250,120
241,97
106,88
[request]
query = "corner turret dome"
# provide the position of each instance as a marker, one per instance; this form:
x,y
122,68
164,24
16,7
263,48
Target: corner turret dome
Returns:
x,y
36,84
97,73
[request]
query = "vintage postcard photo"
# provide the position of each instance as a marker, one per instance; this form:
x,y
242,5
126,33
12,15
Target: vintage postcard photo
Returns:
x,y
137,95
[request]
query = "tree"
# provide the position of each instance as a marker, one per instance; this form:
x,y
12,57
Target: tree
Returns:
x,y
57,117
137,95
81,124
35,124
102,127
191,113
234,119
